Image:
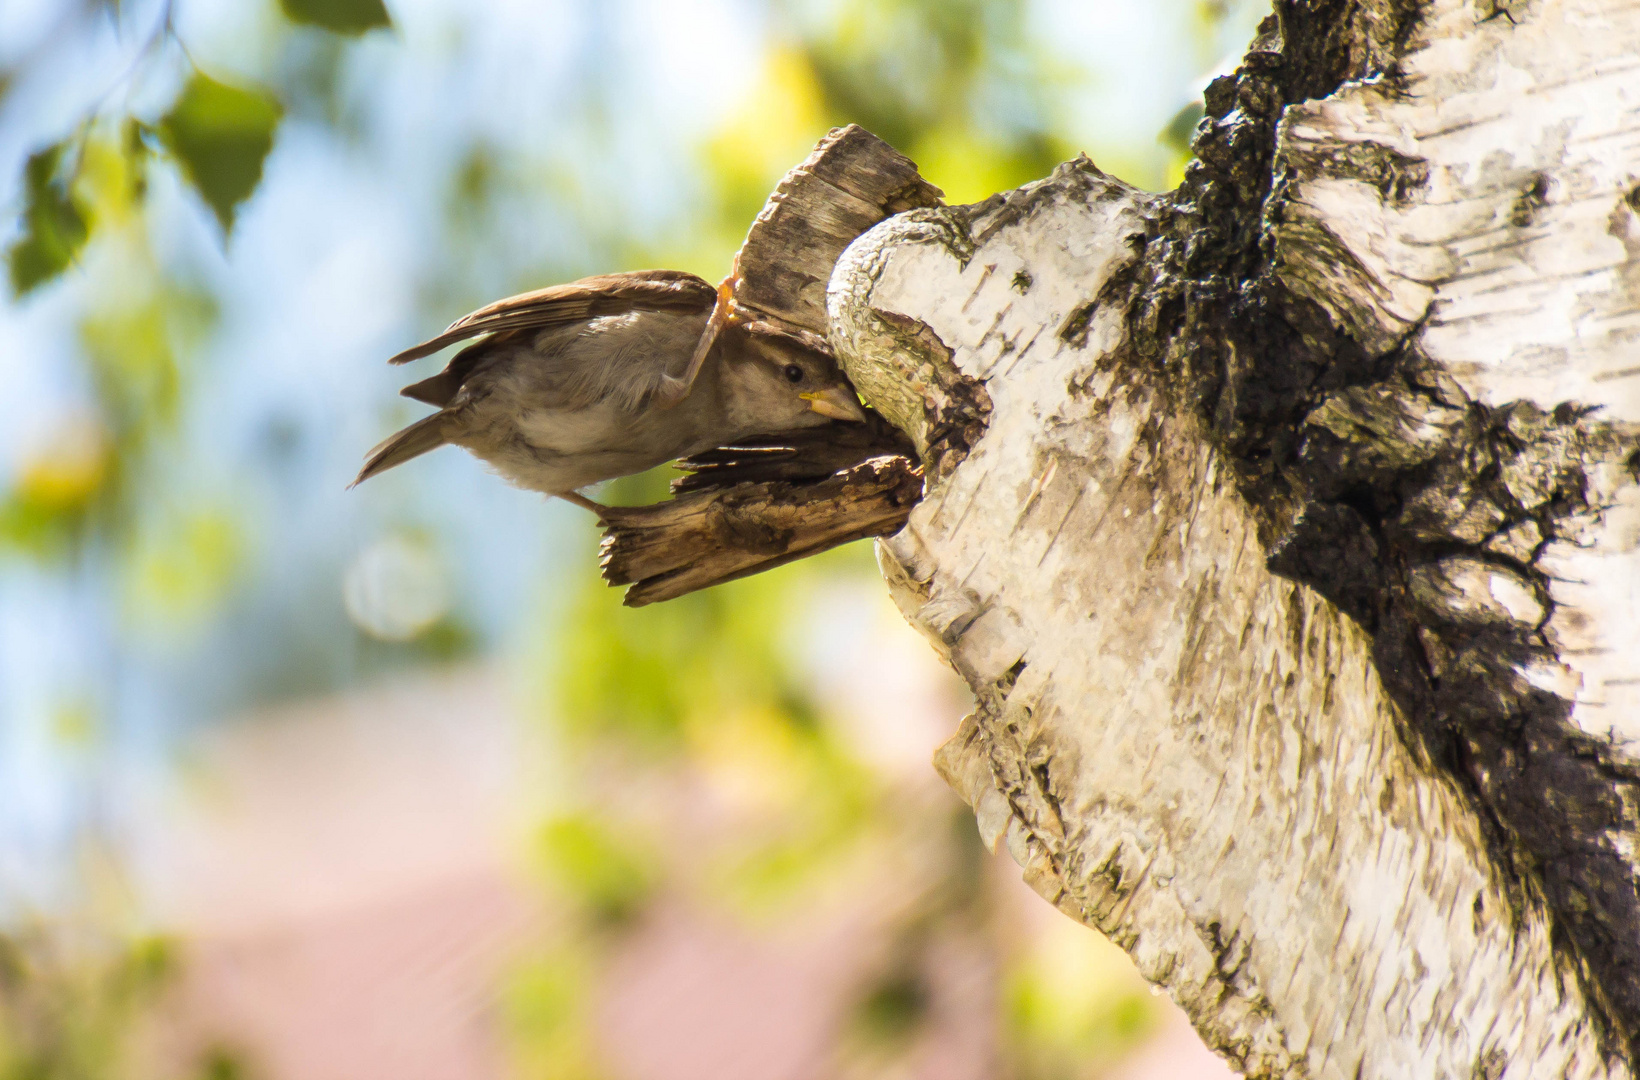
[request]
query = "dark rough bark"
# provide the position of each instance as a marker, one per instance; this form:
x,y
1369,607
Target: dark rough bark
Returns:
x,y
1376,479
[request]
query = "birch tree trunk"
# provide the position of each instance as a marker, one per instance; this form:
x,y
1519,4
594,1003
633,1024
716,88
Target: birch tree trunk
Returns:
x,y
1287,529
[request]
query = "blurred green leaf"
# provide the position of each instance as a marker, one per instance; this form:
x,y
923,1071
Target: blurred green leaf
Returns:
x,y
338,16
35,530
1074,1001
135,139
71,1007
55,487
74,723
75,482
549,1003
893,1009
54,224
134,365
221,1063
149,963
605,871
221,134
14,965
1179,131
180,568
447,640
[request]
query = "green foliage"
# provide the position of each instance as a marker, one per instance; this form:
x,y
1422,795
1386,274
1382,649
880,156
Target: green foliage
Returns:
x,y
1073,1005
659,679
900,68
338,16
181,565
549,1007
51,502
54,222
952,83
69,1010
221,1063
48,507
79,481
601,869
221,134
827,805
134,362
702,687
893,1009
1181,129
705,682
446,641
74,1008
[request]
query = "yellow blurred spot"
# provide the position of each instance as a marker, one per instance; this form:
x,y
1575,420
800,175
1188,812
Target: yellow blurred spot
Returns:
x,y
771,129
1174,176
108,181
958,162
182,569
549,1009
68,469
750,757
1076,997
969,167
75,723
129,347
775,125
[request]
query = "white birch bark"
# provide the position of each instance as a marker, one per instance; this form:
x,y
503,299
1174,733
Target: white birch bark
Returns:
x,y
1210,763
1517,262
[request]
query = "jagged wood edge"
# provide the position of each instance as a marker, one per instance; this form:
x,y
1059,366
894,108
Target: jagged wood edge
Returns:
x,y
703,538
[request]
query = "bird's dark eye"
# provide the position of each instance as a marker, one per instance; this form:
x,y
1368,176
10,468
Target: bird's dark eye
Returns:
x,y
794,373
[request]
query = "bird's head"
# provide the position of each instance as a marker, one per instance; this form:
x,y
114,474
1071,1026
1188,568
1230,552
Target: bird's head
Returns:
x,y
776,383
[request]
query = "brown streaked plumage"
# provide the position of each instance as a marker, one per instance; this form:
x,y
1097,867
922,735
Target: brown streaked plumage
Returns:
x,y
609,376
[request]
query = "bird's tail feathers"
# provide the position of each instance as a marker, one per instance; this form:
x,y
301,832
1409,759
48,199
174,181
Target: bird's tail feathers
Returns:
x,y
435,391
425,434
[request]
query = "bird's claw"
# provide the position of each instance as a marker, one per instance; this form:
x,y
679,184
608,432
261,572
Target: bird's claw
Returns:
x,y
674,390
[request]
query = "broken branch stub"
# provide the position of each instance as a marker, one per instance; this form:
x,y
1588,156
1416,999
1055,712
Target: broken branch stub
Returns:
x,y
703,538
850,182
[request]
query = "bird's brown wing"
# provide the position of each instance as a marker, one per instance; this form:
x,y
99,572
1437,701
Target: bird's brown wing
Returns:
x,y
607,294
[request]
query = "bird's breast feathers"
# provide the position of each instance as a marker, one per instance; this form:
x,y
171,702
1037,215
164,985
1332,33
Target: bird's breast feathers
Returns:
x,y
575,431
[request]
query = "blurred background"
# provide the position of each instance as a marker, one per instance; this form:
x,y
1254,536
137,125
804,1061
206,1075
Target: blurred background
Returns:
x,y
301,782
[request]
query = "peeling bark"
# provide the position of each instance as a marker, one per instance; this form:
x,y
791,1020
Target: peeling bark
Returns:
x,y
706,537
1287,527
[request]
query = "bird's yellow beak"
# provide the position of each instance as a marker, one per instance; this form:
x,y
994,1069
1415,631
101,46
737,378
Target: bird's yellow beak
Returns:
x,y
837,402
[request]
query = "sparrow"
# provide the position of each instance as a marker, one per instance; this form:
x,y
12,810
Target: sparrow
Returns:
x,y
613,375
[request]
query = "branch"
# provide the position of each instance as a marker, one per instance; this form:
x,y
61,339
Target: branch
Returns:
x,y
703,538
